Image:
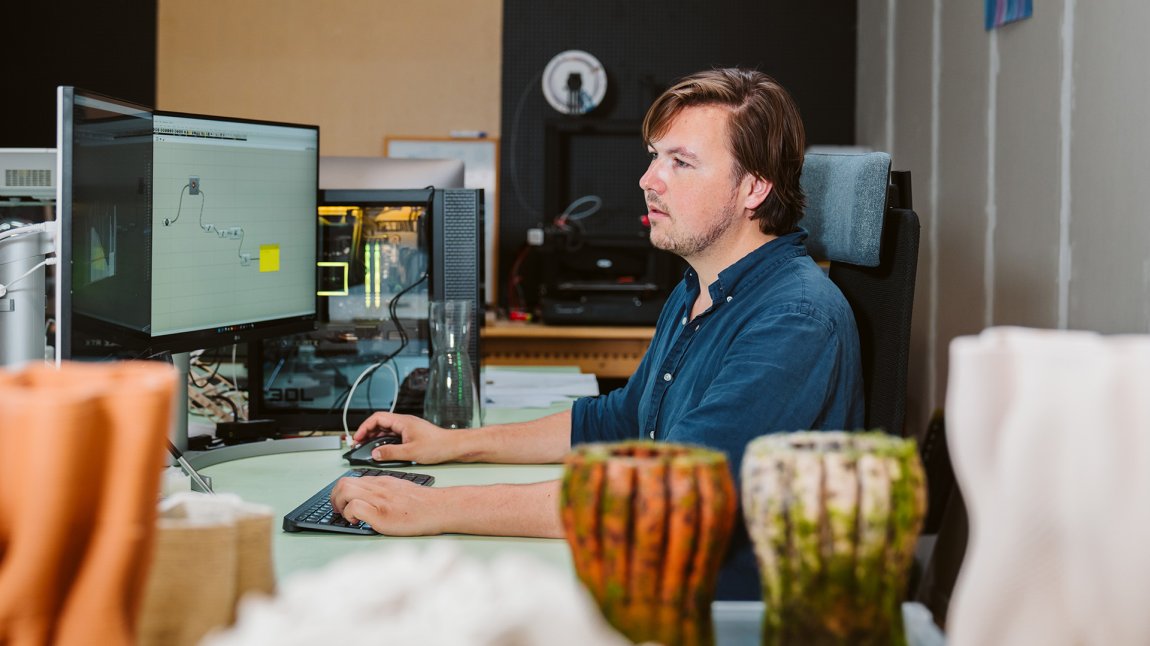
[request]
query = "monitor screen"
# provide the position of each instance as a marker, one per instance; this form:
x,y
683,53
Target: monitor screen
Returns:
x,y
183,231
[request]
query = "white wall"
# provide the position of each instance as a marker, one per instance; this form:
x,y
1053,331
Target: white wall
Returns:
x,y
1027,147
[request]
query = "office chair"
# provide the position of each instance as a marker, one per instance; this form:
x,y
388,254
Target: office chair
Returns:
x,y
860,219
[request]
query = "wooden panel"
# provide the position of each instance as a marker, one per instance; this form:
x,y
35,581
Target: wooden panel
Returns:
x,y
611,352
361,70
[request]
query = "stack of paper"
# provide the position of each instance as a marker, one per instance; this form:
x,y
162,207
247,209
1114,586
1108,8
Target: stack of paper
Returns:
x,y
525,388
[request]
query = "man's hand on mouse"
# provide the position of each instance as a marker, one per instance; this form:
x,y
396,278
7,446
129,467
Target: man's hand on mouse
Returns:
x,y
420,441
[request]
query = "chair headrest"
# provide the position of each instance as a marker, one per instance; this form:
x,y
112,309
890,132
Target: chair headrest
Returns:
x,y
846,201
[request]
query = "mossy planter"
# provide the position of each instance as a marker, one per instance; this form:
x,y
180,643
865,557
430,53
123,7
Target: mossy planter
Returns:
x,y
648,524
834,518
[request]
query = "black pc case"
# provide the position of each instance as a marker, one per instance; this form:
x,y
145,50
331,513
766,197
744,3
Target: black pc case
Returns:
x,y
375,246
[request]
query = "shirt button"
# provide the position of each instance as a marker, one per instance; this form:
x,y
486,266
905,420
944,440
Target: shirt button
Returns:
x,y
684,320
666,376
652,435
696,328
730,298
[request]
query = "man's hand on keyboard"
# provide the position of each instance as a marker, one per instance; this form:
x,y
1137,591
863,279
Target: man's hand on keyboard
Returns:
x,y
421,441
391,506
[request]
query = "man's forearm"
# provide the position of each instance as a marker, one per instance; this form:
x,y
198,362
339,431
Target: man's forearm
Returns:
x,y
542,441
504,510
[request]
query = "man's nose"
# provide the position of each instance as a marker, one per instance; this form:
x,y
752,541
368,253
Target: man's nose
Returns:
x,y
649,181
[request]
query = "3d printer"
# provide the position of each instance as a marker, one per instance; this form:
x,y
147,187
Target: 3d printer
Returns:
x,y
598,266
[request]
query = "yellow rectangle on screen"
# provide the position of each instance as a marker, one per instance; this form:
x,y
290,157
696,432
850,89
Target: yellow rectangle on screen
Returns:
x,y
269,257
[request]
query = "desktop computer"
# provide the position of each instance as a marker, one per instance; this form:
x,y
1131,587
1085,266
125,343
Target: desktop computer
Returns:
x,y
384,254
180,232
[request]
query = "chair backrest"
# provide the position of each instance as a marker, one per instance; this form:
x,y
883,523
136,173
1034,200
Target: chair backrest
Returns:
x,y
864,225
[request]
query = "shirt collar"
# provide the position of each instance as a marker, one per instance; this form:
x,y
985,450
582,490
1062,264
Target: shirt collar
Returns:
x,y
753,264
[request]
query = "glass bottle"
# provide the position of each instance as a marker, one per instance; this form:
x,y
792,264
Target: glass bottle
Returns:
x,y
451,400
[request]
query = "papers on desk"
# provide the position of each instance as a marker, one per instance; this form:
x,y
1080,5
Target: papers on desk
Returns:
x,y
518,388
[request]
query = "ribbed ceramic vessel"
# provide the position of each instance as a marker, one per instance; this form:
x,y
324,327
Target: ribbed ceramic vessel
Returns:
x,y
834,518
648,524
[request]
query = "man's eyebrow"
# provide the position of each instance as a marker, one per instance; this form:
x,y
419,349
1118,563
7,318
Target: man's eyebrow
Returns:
x,y
680,151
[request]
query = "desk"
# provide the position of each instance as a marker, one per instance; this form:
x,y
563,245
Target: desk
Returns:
x,y
609,352
284,480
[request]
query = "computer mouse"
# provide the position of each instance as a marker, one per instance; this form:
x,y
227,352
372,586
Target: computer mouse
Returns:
x,y
361,455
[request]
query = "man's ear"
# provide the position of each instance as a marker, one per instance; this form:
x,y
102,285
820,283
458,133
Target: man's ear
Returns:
x,y
759,190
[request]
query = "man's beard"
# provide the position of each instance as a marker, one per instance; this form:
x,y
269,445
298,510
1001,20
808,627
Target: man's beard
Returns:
x,y
687,246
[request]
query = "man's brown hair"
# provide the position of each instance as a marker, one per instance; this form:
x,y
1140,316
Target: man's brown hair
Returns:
x,y
766,134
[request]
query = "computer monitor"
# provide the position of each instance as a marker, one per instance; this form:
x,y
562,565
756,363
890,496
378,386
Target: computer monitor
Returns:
x,y
182,231
380,249
389,172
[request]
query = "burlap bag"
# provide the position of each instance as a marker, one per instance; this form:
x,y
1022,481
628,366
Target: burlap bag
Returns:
x,y
210,552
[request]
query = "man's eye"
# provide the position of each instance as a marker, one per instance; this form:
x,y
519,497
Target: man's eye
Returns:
x,y
681,164
652,155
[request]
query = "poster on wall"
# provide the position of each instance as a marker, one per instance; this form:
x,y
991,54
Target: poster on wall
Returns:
x,y
1000,12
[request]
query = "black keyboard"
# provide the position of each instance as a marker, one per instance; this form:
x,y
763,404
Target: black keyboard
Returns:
x,y
317,514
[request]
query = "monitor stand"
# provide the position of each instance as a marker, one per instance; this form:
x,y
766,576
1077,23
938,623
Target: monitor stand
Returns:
x,y
201,459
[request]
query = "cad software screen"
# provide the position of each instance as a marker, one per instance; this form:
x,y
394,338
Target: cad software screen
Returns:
x,y
233,221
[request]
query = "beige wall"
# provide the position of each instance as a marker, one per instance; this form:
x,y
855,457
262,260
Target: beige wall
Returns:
x,y
1028,148
361,69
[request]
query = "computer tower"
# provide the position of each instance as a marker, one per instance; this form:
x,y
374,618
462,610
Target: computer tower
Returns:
x,y
385,253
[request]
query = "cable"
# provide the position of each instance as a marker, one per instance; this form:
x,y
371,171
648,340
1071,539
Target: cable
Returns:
x,y
571,215
5,286
180,206
512,166
403,338
235,366
516,299
389,362
25,230
231,404
215,371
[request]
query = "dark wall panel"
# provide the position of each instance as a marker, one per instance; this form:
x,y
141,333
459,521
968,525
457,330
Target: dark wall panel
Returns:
x,y
644,46
107,47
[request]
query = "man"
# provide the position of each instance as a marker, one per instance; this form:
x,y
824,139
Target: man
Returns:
x,y
755,339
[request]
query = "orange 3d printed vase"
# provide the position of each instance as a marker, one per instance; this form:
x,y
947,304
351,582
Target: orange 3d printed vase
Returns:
x,y
81,452
648,524
834,518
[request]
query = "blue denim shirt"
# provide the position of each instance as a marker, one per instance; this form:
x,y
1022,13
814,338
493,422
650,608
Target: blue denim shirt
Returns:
x,y
777,351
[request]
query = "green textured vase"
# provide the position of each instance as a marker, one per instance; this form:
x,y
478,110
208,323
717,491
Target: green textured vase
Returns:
x,y
834,518
648,524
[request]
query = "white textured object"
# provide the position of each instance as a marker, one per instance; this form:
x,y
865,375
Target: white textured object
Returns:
x,y
437,596
1049,433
